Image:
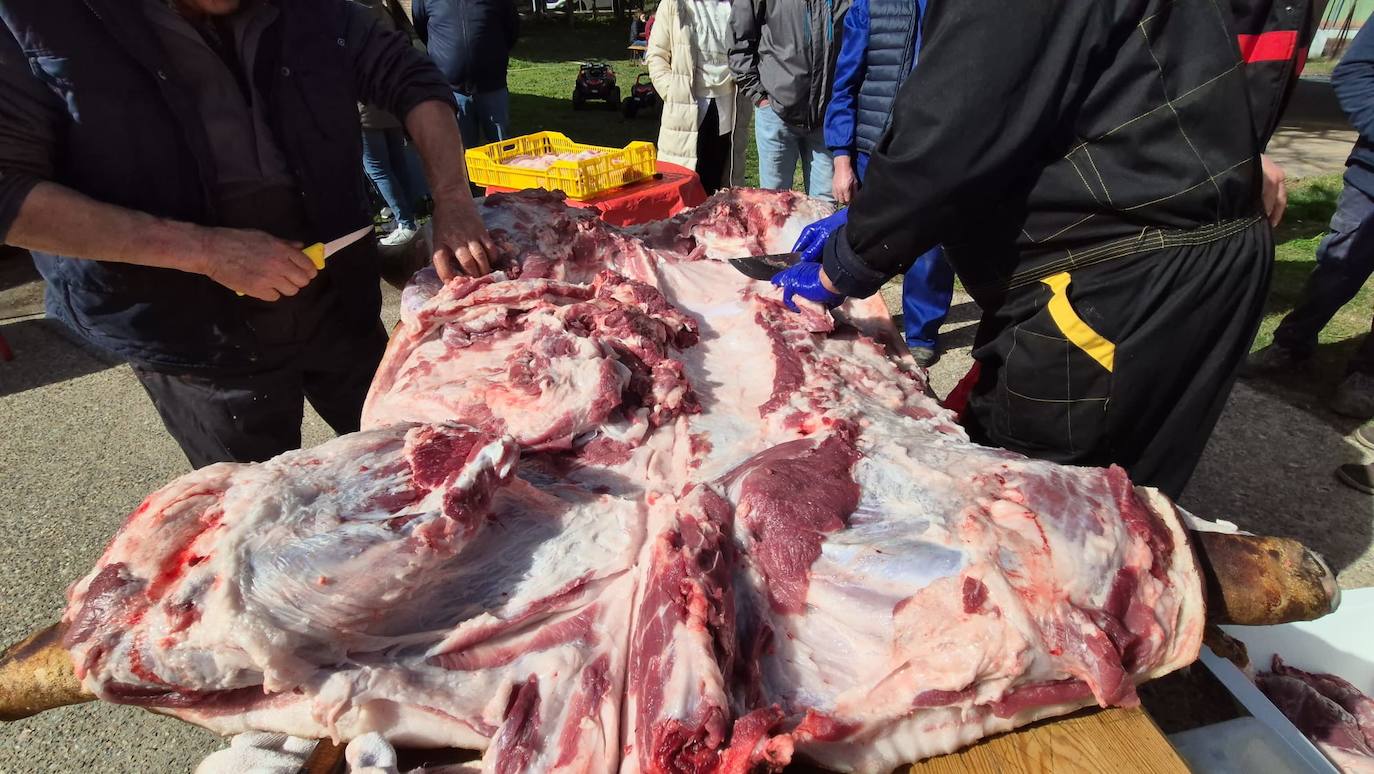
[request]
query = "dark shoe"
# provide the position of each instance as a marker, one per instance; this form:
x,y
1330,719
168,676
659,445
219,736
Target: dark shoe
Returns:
x,y
925,357
1274,359
1355,397
1359,477
1364,435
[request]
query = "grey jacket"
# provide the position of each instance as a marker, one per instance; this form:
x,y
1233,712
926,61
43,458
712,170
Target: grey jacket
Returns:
x,y
784,51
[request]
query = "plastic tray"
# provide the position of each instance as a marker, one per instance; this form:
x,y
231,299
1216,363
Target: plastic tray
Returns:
x,y
580,179
1337,644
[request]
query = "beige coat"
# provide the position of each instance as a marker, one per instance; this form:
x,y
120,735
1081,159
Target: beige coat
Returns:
x,y
671,63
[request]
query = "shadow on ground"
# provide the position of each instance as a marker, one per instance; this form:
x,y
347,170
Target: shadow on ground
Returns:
x,y
1270,470
44,354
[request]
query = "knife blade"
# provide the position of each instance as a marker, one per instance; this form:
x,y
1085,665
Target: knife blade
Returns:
x,y
763,267
318,252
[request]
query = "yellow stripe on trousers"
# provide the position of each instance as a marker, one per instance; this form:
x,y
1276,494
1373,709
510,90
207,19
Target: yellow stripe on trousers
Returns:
x,y
1073,327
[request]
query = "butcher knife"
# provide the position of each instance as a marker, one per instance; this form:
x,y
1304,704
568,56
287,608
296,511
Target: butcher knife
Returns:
x,y
764,267
320,251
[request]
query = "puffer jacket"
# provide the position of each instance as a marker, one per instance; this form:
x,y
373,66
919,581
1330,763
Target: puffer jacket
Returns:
x,y
671,63
470,40
785,52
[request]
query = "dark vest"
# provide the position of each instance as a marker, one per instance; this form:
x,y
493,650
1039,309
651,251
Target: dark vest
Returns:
x,y
893,26
134,139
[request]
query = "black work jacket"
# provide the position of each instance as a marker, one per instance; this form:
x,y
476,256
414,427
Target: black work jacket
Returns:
x,y
1036,132
89,100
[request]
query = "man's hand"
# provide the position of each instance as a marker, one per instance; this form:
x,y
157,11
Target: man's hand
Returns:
x,y
811,242
807,280
1275,191
843,184
254,263
461,242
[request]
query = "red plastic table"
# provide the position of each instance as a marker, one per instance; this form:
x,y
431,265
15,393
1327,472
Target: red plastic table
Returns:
x,y
662,196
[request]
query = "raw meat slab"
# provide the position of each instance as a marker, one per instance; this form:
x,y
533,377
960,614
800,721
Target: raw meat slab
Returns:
x,y
735,536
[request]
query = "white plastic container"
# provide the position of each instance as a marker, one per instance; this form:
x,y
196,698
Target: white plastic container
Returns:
x,y
1341,644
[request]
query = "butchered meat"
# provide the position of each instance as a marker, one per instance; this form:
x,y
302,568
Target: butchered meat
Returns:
x,y
1335,715
615,508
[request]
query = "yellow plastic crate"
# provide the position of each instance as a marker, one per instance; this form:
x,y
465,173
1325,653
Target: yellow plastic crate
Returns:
x,y
580,179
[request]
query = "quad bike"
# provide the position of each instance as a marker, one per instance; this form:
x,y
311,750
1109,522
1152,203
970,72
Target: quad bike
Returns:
x,y
643,96
595,81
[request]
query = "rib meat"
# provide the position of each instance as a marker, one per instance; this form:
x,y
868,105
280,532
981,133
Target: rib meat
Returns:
x,y
735,536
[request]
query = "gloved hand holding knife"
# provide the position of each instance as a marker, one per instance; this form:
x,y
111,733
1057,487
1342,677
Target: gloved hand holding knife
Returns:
x,y
807,278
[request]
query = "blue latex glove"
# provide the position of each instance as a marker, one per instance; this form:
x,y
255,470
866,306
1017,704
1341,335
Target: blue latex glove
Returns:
x,y
804,279
812,239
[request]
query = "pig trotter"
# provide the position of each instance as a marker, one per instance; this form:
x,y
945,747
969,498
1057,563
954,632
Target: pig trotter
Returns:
x,y
37,675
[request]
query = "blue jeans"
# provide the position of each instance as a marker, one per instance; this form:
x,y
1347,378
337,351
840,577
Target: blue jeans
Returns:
x,y
484,118
781,147
927,289
388,166
1345,259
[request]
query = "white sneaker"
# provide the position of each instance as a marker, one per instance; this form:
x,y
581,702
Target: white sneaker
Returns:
x,y
400,236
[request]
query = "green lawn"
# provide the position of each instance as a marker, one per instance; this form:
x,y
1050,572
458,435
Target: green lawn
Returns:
x,y
1319,66
1310,204
544,67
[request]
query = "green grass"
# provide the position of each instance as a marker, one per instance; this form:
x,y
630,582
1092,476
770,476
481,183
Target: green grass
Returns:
x,y
543,69
1310,204
1319,66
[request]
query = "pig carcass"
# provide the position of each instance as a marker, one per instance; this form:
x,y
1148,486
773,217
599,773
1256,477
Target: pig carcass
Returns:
x,y
615,507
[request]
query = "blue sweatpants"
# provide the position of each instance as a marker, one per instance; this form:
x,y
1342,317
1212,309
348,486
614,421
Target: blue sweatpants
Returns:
x,y
927,289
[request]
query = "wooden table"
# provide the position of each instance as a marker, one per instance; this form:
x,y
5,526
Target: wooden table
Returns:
x,y
1122,741
1088,742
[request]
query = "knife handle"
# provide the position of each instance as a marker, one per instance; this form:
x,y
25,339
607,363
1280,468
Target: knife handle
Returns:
x,y
314,252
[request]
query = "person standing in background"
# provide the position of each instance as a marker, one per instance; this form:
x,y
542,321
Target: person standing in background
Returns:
x,y
703,126
471,41
1345,258
877,52
386,155
639,28
783,58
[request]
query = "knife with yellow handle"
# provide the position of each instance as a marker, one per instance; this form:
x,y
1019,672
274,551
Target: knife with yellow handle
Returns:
x,y
319,252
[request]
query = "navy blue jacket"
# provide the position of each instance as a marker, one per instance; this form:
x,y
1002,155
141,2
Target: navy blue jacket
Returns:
x,y
1353,81
877,51
86,90
470,40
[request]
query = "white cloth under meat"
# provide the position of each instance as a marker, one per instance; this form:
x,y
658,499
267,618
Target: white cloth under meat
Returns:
x,y
257,752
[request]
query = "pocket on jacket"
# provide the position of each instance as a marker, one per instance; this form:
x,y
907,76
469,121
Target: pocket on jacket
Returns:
x,y
1055,381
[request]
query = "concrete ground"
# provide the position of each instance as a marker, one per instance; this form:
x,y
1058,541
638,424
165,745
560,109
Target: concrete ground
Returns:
x,y
1314,137
80,446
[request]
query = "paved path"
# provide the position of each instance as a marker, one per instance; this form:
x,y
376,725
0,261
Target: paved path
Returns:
x,y
1314,138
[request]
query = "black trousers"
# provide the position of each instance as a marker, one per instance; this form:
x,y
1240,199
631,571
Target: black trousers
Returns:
x,y
1172,327
1345,260
251,417
713,151
309,346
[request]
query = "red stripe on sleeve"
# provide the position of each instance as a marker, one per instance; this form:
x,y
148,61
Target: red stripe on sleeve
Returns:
x,y
1276,46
